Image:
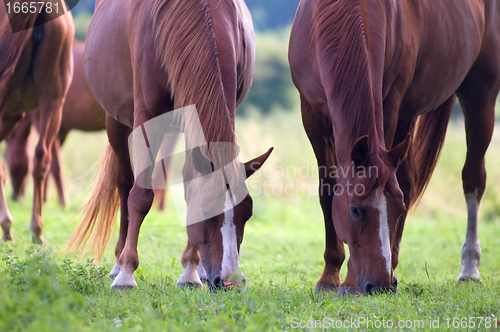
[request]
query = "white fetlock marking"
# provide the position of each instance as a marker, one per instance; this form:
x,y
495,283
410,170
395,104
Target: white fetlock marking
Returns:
x,y
124,279
384,233
189,275
471,249
114,271
230,262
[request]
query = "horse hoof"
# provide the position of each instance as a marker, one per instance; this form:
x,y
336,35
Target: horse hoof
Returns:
x,y
7,237
124,280
114,271
326,288
394,284
123,287
467,278
216,285
189,285
38,239
6,225
346,291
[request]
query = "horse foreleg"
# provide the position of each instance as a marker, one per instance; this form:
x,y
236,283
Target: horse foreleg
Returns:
x,y
5,216
117,135
17,156
139,203
190,264
166,150
7,125
350,285
322,141
405,179
50,118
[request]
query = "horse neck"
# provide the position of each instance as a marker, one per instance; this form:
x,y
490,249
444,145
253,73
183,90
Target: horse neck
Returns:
x,y
195,40
190,46
346,71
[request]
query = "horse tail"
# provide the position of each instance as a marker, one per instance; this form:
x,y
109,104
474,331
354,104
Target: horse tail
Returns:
x,y
186,45
427,145
97,224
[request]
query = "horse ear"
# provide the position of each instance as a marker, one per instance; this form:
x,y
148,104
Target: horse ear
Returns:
x,y
399,153
253,165
200,162
360,150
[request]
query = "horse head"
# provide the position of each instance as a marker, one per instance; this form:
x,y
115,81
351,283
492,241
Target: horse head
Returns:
x,y
366,208
220,213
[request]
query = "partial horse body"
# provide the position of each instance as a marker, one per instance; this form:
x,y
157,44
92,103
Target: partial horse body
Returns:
x,y
81,111
144,59
377,81
35,70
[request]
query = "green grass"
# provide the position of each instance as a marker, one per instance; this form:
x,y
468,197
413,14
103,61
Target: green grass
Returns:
x,y
44,290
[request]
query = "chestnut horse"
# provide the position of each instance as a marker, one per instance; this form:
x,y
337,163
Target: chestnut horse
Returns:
x,y
142,60
81,111
377,81
35,70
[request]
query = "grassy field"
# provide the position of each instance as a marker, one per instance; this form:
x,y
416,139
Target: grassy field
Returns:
x,y
41,289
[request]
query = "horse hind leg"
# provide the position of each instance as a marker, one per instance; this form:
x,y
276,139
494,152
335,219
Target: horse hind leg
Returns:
x,y
477,97
56,171
50,117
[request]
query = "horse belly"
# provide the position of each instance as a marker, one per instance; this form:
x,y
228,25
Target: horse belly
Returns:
x,y
107,61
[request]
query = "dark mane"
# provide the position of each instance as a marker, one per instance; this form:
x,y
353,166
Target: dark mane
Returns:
x,y
339,36
186,45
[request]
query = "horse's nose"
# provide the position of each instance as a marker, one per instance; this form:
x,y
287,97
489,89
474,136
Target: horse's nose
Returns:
x,y
374,289
216,284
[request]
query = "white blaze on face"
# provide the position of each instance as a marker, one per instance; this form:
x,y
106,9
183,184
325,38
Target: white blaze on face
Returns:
x,y
384,232
230,262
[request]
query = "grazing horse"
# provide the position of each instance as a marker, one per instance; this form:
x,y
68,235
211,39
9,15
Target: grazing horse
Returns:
x,y
35,70
81,111
377,81
144,59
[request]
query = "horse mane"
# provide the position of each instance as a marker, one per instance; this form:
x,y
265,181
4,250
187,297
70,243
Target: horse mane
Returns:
x,y
339,39
186,45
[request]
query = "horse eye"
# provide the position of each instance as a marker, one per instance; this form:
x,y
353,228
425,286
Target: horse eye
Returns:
x,y
356,213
